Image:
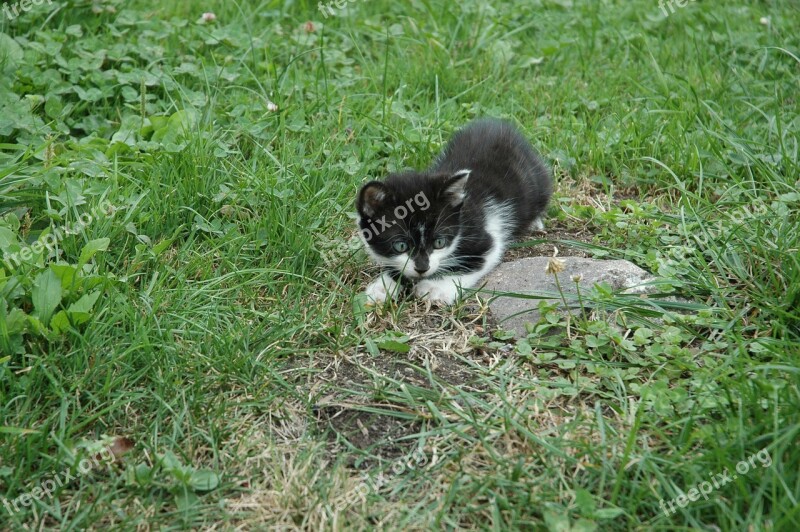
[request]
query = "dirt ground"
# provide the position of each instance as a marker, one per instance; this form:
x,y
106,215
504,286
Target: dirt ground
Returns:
x,y
355,389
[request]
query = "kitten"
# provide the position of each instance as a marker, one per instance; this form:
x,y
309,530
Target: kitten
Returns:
x,y
446,227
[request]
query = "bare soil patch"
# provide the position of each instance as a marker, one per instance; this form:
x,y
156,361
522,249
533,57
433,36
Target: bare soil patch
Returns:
x,y
543,244
354,391
358,395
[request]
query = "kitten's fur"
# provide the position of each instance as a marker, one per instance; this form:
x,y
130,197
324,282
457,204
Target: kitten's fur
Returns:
x,y
486,189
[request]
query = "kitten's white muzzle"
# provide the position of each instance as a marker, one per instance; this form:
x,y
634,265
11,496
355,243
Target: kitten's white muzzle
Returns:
x,y
413,274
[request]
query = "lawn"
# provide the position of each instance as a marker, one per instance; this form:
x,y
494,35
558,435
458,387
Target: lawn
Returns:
x,y
183,343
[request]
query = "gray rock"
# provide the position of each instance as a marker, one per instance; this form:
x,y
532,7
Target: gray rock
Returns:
x,y
528,276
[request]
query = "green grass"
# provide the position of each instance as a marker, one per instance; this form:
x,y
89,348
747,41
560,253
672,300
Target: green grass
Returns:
x,y
207,329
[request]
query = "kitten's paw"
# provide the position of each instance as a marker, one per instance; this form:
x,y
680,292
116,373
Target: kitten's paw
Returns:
x,y
381,289
538,225
444,292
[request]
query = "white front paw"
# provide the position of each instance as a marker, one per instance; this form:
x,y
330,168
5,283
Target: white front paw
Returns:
x,y
381,289
444,291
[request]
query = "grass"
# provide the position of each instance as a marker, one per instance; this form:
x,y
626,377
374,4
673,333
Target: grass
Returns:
x,y
206,334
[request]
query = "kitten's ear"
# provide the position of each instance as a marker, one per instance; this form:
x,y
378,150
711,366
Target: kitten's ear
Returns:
x,y
371,198
455,187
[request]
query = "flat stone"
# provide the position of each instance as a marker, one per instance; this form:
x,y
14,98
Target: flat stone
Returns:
x,y
528,276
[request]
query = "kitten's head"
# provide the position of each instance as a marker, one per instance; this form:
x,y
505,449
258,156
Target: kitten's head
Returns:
x,y
410,222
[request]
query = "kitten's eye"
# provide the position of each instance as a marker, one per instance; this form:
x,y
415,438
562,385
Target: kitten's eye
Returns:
x,y
439,243
400,246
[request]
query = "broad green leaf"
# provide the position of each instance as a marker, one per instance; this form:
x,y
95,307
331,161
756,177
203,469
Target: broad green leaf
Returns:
x,y
556,520
46,295
85,303
642,336
158,122
14,321
524,347
372,348
584,525
127,133
53,106
393,341
185,499
65,272
545,357
10,342
74,30
91,248
394,346
10,53
204,480
178,124
77,314
789,197
585,502
171,463
139,474
7,239
63,320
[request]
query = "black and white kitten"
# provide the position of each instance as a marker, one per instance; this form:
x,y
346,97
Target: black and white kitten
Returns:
x,y
445,228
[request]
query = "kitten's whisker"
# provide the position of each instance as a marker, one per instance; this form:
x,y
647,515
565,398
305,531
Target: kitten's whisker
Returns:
x,y
440,220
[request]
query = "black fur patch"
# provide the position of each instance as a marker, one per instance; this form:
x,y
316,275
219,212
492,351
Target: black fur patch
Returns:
x,y
504,171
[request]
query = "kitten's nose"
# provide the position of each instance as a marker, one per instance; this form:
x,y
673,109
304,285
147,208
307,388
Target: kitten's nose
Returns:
x,y
421,263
